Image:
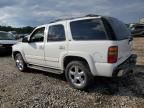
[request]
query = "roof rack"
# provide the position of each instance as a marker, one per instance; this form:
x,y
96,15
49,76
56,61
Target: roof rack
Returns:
x,y
89,15
92,15
60,20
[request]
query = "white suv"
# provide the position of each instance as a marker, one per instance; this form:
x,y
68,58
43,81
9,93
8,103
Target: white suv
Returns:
x,y
81,48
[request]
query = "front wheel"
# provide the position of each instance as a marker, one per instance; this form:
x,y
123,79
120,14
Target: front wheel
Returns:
x,y
21,65
78,75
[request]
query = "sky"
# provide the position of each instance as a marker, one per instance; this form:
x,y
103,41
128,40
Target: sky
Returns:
x,y
20,13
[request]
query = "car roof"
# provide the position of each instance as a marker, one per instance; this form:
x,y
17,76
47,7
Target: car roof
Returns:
x,y
72,18
89,16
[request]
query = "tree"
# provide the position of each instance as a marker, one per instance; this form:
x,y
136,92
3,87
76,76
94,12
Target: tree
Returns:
x,y
22,30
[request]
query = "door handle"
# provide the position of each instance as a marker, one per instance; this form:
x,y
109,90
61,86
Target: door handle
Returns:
x,y
61,47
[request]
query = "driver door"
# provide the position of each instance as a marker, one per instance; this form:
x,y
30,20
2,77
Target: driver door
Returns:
x,y
34,49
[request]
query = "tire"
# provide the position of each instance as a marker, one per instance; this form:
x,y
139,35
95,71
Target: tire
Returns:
x,y
78,75
20,63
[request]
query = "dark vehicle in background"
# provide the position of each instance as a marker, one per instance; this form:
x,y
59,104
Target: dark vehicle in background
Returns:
x,y
22,35
7,39
138,30
14,34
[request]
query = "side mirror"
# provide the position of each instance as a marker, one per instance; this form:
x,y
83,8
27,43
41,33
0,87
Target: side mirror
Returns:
x,y
25,40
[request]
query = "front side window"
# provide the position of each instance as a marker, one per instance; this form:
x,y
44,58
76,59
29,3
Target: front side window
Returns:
x,y
38,35
90,29
56,33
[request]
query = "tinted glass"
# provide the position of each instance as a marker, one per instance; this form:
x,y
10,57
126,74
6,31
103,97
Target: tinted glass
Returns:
x,y
91,29
38,35
56,33
139,27
120,29
109,30
6,36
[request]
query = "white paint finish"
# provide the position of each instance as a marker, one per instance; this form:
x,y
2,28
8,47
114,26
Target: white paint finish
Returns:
x,y
104,69
124,49
53,52
97,49
34,53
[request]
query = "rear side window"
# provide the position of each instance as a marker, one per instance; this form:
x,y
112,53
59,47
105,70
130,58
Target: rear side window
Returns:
x,y
120,29
56,33
91,29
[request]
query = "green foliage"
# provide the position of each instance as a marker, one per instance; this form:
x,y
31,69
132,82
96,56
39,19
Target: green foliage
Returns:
x,y
22,30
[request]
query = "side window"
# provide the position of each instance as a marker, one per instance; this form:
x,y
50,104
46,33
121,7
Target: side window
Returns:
x,y
89,29
56,33
38,35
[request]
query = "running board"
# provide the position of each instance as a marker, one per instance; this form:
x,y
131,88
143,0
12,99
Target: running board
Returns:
x,y
46,69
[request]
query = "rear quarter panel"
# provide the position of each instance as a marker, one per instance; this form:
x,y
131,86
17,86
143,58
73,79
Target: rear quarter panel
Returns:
x,y
95,53
98,50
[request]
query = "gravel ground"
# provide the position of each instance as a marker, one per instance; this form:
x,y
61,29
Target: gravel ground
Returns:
x,y
37,89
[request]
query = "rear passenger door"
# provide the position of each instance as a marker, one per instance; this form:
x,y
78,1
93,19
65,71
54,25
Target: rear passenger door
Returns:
x,y
55,45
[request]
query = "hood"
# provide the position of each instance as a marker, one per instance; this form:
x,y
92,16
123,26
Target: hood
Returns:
x,y
8,42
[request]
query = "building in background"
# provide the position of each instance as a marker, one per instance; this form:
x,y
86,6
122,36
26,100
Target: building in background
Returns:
x,y
141,21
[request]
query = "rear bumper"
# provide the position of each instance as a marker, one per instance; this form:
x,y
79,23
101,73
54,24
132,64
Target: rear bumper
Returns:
x,y
124,68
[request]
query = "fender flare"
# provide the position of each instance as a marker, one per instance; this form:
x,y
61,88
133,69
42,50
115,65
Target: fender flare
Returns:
x,y
21,52
85,56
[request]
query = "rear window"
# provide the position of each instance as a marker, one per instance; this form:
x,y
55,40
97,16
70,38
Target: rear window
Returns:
x,y
91,29
120,29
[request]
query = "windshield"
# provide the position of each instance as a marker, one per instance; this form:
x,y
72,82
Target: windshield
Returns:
x,y
6,36
120,29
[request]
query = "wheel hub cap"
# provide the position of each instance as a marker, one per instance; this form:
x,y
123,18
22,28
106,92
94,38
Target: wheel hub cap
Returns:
x,y
77,75
19,63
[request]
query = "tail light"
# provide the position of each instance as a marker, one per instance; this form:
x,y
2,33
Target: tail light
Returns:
x,y
112,54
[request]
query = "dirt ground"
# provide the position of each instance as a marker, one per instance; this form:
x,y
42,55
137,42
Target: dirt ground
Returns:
x,y
37,89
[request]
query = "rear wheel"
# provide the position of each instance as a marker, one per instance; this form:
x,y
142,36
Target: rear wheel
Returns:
x,y
78,75
21,65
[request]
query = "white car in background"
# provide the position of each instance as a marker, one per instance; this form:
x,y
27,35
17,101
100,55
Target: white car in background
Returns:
x,y
7,39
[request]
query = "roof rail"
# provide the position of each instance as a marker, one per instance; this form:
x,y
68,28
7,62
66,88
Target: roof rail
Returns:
x,y
62,19
92,15
55,20
89,15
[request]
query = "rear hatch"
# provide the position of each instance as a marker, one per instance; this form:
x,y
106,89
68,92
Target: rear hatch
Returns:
x,y
121,36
